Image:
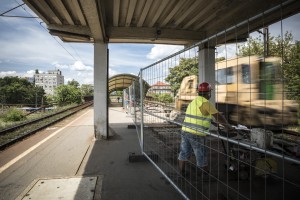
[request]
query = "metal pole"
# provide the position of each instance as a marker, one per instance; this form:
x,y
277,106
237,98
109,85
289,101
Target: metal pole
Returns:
x,y
134,101
142,110
35,98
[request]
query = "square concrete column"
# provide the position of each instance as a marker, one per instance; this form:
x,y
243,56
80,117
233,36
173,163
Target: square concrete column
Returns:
x,y
206,68
100,91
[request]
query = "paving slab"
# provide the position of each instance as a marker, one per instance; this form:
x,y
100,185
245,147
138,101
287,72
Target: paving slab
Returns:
x,y
68,188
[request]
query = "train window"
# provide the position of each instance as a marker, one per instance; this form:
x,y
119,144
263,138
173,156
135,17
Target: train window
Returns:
x,y
225,76
190,84
246,75
229,75
220,76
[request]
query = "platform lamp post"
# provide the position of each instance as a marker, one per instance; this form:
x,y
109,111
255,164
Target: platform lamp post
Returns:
x,y
35,98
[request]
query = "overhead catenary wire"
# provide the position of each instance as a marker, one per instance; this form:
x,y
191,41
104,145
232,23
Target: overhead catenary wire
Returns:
x,y
2,14
40,23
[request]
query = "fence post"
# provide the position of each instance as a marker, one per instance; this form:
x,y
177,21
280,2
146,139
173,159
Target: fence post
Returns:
x,y
142,109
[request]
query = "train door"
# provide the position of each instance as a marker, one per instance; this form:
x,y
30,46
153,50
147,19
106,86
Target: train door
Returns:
x,y
266,80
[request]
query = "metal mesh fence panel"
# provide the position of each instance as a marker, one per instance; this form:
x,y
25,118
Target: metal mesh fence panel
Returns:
x,y
252,88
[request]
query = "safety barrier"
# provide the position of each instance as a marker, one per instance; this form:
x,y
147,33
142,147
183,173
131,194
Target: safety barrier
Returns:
x,y
259,160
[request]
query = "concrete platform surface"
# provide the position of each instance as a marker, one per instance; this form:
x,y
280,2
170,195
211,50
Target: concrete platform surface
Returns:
x,y
123,179
66,162
63,188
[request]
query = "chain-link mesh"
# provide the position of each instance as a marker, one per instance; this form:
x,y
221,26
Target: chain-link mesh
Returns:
x,y
259,158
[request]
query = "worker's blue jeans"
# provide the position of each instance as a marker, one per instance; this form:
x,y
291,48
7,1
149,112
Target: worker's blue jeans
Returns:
x,y
191,142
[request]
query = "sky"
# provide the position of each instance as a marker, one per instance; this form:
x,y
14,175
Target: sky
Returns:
x,y
26,45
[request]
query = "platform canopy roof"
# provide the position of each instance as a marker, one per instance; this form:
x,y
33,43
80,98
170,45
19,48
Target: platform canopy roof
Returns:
x,y
123,81
181,22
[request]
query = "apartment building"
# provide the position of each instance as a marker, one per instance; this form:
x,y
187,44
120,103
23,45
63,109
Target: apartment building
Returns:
x,y
49,81
160,88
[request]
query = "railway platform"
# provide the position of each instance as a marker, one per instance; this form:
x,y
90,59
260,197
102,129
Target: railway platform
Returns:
x,y
123,179
72,165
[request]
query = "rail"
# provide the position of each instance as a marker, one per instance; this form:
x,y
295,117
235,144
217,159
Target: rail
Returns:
x,y
16,133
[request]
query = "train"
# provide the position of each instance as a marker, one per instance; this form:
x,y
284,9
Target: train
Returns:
x,y
248,91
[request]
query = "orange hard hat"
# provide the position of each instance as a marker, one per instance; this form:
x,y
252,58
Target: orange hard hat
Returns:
x,y
204,87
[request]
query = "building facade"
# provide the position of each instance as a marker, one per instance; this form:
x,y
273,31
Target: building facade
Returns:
x,y
49,81
160,88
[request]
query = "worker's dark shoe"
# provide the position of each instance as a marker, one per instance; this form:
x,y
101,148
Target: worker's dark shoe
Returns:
x,y
185,174
203,174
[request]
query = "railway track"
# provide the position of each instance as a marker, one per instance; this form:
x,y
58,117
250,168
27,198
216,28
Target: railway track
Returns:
x,y
12,135
284,141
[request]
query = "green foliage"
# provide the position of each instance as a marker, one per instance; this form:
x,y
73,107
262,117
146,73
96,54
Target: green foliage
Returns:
x,y
219,59
285,48
13,115
165,98
278,46
291,72
14,90
50,99
67,94
119,93
154,96
252,47
87,90
73,83
186,67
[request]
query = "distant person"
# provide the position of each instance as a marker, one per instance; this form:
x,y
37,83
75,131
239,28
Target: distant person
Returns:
x,y
198,116
118,99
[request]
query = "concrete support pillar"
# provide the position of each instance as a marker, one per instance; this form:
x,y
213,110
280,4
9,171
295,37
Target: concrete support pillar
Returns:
x,y
207,68
100,91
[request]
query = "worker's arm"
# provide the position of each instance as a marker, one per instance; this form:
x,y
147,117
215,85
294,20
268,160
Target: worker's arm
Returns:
x,y
221,120
208,108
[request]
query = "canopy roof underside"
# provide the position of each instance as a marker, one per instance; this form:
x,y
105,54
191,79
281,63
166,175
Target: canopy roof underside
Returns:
x,y
181,22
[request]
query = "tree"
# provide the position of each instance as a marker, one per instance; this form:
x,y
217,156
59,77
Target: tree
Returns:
x,y
73,83
166,98
186,67
291,72
278,46
14,90
87,90
119,93
67,94
219,59
285,48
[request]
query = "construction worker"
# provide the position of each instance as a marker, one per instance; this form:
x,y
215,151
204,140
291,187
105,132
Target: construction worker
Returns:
x,y
197,121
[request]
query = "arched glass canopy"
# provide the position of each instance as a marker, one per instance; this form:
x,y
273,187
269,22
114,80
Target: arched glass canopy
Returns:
x,y
123,81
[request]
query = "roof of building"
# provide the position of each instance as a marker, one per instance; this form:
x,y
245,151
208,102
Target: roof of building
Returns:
x,y
159,83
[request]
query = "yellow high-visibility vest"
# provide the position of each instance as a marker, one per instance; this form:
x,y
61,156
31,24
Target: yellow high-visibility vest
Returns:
x,y
195,122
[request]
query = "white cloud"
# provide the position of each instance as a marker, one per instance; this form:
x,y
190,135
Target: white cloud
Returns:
x,y
30,73
112,72
160,51
76,66
85,77
8,73
81,77
79,66
227,51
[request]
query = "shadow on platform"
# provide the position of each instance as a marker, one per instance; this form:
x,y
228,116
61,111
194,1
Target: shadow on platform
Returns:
x,y
121,179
